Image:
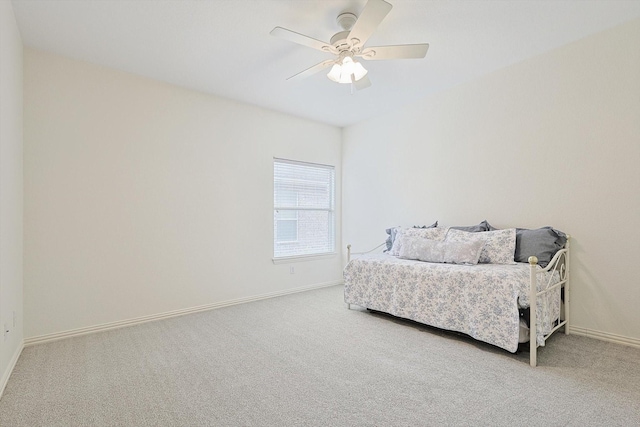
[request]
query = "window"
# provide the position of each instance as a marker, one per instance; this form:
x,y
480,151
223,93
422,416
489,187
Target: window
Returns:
x,y
303,209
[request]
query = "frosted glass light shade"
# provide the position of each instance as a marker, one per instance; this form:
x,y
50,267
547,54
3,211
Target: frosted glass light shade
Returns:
x,y
359,71
334,74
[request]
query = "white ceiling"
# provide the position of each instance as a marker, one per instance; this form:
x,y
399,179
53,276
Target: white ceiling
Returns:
x,y
223,47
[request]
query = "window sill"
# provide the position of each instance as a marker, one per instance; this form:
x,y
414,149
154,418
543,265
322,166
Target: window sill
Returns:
x,y
302,258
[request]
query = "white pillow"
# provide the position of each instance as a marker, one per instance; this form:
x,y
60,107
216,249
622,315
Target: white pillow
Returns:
x,y
435,251
435,233
499,245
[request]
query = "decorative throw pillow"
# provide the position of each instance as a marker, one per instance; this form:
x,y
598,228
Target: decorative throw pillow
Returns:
x,y
543,243
393,230
392,236
436,233
499,245
483,226
440,251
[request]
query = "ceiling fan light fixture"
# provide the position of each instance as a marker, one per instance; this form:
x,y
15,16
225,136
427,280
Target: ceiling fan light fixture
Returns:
x,y
342,73
352,42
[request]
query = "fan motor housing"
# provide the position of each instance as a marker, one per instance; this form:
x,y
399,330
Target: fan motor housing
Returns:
x,y
339,40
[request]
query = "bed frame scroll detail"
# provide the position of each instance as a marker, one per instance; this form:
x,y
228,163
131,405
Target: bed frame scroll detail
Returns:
x,y
559,263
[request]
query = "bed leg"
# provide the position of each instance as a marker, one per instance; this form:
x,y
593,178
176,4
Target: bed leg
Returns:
x,y
533,302
348,306
567,287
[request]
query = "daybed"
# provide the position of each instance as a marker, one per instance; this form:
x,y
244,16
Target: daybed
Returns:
x,y
484,300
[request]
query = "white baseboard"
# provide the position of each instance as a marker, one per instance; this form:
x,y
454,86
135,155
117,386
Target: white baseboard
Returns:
x,y
12,364
604,336
135,321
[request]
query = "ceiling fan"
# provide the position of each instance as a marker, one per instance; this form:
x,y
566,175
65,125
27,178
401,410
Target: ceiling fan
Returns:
x,y
347,45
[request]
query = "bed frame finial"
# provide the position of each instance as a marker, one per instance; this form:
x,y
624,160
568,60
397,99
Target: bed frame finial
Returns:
x,y
533,260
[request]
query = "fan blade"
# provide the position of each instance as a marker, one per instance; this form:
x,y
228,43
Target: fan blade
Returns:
x,y
404,51
312,70
372,15
363,83
292,36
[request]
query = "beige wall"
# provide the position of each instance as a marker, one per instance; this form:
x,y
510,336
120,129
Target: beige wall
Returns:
x,y
554,140
10,191
143,198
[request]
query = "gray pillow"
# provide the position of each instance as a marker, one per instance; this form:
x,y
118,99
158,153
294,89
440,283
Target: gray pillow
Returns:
x,y
489,226
542,242
483,226
393,230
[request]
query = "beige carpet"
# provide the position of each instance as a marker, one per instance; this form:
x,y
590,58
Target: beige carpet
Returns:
x,y
305,360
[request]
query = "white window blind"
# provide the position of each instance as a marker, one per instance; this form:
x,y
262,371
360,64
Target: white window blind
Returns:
x,y
303,208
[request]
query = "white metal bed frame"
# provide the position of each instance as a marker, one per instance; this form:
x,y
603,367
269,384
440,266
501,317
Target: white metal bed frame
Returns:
x,y
559,263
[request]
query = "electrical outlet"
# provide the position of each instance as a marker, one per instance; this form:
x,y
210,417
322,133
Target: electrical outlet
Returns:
x,y
292,270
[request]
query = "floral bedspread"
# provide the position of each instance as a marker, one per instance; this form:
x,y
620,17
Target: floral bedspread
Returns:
x,y
479,300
